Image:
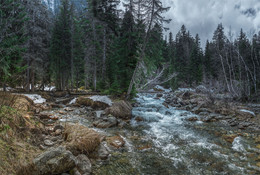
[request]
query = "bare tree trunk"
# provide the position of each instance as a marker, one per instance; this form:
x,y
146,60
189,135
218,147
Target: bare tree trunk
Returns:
x,y
224,71
104,54
27,86
4,87
94,55
86,70
72,56
142,53
33,81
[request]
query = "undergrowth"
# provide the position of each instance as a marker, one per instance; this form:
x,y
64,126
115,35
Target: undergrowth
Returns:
x,y
15,150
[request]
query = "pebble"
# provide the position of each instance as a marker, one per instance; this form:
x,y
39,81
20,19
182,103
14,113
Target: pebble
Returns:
x,y
48,143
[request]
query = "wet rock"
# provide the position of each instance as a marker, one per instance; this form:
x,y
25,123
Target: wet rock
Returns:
x,y
209,119
145,147
202,89
68,109
233,122
83,164
58,132
139,119
96,102
168,113
204,113
186,95
63,101
245,113
158,89
193,119
244,125
54,105
106,122
103,153
48,143
166,105
116,141
55,161
121,109
229,138
54,117
43,147
58,127
75,172
159,95
121,124
43,116
62,112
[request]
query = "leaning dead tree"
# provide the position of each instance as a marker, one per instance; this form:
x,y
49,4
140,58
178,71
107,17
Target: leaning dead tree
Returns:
x,y
152,11
158,78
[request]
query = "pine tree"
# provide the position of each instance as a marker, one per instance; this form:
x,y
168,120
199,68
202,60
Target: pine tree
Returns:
x,y
122,61
195,63
12,20
61,47
207,62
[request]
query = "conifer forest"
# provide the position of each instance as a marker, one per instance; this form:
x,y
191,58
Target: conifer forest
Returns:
x,y
113,87
97,45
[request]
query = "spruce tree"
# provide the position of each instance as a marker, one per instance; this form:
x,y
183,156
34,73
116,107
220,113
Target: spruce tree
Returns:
x,y
12,37
61,47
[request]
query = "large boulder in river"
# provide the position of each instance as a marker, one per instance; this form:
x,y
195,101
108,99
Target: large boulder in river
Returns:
x,y
55,161
96,102
83,165
121,109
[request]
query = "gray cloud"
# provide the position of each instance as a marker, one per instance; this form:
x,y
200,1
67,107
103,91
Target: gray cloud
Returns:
x,y
203,16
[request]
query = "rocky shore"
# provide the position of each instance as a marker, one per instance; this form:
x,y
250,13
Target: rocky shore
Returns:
x,y
65,146
212,107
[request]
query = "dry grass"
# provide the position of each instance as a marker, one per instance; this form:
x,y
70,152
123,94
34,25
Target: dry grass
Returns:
x,y
81,140
19,102
16,149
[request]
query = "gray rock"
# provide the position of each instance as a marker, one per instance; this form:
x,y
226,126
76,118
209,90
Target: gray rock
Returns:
x,y
58,132
83,164
106,122
48,143
58,127
103,153
54,161
204,113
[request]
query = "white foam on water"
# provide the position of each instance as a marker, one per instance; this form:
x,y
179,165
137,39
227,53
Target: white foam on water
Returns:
x,y
247,111
237,145
73,101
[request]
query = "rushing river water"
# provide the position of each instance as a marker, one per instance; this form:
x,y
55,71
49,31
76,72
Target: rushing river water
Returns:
x,y
166,143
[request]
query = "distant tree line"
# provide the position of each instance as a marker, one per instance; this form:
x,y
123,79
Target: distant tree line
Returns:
x,y
116,51
228,64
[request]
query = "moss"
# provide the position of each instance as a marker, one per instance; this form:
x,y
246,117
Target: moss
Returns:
x,y
118,164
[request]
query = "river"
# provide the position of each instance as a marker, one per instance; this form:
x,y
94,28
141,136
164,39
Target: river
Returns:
x,y
165,142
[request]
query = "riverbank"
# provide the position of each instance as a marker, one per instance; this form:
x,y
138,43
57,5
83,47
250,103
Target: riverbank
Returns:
x,y
165,132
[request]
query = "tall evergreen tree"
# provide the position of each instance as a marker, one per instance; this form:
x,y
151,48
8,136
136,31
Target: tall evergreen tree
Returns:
x,y
12,22
61,47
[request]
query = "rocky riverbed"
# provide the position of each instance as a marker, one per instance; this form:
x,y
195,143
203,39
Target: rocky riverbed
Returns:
x,y
182,132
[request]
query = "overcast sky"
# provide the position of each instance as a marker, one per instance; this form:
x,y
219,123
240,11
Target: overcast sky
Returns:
x,y
203,16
